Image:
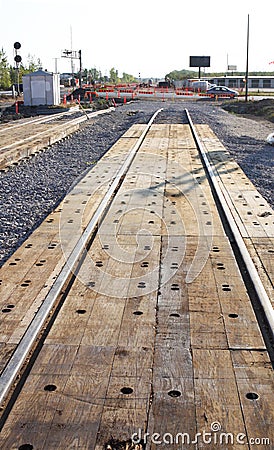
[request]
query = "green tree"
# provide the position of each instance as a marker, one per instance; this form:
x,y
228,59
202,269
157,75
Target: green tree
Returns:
x,y
181,74
127,78
95,74
5,80
113,75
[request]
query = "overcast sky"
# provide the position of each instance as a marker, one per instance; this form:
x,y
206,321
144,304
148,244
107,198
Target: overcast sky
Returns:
x,y
147,37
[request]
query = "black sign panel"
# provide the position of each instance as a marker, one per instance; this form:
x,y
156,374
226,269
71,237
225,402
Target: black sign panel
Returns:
x,y
199,61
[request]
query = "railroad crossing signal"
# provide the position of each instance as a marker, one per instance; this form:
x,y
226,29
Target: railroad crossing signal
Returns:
x,y
17,59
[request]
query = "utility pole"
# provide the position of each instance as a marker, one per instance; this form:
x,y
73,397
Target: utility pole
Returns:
x,y
56,64
247,55
80,71
71,60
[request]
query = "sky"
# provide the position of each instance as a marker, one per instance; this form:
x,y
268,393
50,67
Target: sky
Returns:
x,y
143,37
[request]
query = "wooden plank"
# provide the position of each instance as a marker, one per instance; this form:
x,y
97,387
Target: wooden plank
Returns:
x,y
258,411
49,423
118,425
250,364
207,331
215,388
135,131
172,414
173,407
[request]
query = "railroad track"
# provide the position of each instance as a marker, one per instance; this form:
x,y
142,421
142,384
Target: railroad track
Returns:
x,y
22,140
4,128
126,312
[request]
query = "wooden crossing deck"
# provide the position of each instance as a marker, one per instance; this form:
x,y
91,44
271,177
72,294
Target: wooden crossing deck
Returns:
x,y
157,334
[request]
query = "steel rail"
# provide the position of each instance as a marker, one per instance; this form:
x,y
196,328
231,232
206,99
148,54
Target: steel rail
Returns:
x,y
25,345
44,119
72,122
227,206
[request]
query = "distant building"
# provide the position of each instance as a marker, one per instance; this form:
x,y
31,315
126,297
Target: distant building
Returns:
x,y
238,82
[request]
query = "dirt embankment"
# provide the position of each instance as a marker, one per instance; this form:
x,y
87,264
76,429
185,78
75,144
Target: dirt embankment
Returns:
x,y
263,109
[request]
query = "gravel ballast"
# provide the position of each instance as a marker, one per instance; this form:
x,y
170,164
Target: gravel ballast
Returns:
x,y
33,188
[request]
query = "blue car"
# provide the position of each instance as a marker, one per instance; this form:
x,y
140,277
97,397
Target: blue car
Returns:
x,y
222,91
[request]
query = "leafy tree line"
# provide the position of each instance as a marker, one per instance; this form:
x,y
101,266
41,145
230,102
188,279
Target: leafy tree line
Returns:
x,y
93,74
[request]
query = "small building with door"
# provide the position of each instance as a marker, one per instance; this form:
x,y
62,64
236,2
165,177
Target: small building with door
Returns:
x,y
41,88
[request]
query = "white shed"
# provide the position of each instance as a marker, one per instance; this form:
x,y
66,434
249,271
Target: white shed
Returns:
x,y
41,88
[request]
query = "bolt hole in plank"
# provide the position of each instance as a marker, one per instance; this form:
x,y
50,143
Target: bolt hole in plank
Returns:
x,y
174,315
252,396
26,283
26,447
138,313
50,388
174,393
233,315
127,390
52,246
81,311
141,284
226,288
144,264
175,287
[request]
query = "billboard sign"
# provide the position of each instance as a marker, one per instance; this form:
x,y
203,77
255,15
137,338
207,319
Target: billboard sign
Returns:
x,y
229,67
199,61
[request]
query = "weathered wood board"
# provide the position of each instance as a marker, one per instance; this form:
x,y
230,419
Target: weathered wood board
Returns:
x,y
157,338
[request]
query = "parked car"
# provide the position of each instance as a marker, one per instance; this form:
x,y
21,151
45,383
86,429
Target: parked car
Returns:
x,y
223,91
